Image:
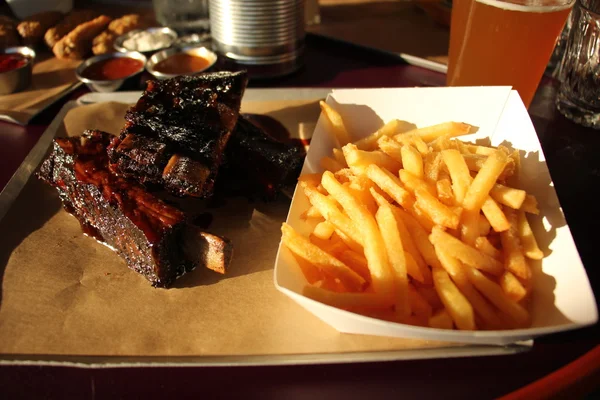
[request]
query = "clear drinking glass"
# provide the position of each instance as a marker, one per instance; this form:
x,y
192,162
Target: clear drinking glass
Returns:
x,y
183,15
504,42
579,94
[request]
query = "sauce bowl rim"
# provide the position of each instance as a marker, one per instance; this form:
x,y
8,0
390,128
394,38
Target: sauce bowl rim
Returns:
x,y
95,59
164,54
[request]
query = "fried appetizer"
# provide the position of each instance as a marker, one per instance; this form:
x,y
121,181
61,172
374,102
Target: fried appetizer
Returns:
x,y
8,32
78,42
66,25
103,43
33,28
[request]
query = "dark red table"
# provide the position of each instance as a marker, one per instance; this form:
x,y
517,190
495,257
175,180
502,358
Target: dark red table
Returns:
x,y
571,153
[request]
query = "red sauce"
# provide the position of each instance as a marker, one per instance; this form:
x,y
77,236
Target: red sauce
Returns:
x,y
112,68
8,62
182,63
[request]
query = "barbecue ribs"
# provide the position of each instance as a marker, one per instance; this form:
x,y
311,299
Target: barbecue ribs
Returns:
x,y
153,237
176,133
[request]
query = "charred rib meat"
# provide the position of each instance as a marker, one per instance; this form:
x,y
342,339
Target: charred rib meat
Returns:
x,y
152,236
187,122
257,164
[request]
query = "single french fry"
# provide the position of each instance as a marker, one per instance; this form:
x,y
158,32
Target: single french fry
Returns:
x,y
311,213
494,214
439,213
475,163
391,148
441,320
459,173
493,292
485,246
359,160
465,253
484,181
530,205
530,246
418,304
412,161
412,182
338,155
514,259
421,216
455,302
456,271
484,226
303,248
329,164
444,192
370,142
450,129
412,139
469,228
310,179
481,150
357,262
432,166
512,287
324,230
393,245
363,195
420,237
336,123
310,272
508,196
375,251
390,184
347,300
344,175
349,242
328,208
444,142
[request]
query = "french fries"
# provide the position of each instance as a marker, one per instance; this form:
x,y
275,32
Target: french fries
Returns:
x,y
418,227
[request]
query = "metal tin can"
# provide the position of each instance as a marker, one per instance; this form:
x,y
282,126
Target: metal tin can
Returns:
x,y
266,36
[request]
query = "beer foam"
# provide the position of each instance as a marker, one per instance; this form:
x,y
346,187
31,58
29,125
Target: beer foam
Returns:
x,y
535,7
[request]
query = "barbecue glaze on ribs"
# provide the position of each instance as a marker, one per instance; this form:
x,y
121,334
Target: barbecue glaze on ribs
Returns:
x,y
152,237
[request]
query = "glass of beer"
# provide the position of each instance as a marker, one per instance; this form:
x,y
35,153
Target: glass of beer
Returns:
x,y
504,42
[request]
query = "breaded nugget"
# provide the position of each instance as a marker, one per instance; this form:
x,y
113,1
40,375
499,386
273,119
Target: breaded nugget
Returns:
x,y
33,28
127,23
78,42
103,43
8,32
67,24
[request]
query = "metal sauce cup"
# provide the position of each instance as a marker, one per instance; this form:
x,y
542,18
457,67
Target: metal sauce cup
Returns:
x,y
19,78
167,31
199,51
112,84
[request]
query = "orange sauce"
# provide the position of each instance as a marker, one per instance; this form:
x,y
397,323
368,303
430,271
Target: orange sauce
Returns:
x,y
182,63
112,68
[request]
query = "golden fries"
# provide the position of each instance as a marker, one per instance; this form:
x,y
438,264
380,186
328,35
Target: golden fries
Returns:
x,y
449,129
303,248
419,228
375,251
393,245
336,123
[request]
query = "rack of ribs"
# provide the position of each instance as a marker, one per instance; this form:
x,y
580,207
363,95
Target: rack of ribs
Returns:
x,y
176,133
153,237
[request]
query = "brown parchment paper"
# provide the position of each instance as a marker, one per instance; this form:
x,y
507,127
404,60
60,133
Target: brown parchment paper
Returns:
x,y
52,77
65,294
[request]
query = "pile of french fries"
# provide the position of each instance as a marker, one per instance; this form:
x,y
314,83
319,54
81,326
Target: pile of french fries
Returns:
x,y
418,227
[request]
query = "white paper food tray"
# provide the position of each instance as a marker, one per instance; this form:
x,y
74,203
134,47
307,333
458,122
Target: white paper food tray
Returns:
x,y
562,298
